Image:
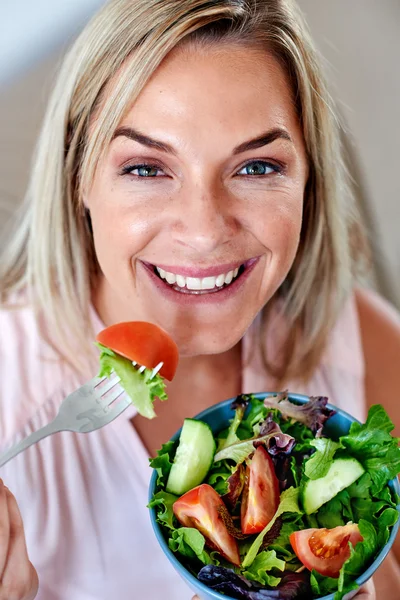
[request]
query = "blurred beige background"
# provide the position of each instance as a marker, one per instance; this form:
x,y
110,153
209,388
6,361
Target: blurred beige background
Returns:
x,y
359,39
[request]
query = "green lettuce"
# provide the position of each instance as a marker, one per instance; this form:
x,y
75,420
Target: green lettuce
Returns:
x,y
374,446
163,502
142,388
189,542
162,463
263,563
318,465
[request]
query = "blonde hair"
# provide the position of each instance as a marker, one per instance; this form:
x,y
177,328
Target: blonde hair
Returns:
x,y
51,257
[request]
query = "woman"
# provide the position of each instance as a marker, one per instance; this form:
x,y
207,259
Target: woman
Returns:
x,y
188,173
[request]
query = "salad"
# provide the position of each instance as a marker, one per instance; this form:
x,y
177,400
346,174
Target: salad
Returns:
x,y
270,507
141,354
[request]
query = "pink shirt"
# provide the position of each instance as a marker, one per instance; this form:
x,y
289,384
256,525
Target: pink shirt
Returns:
x,y
83,496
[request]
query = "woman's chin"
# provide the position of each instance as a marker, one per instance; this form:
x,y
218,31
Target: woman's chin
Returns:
x,y
201,345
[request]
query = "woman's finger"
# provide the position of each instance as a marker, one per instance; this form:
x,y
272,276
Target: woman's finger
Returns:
x,y
367,591
19,576
4,528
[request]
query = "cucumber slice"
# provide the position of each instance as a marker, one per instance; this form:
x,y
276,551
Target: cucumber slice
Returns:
x,y
193,458
342,473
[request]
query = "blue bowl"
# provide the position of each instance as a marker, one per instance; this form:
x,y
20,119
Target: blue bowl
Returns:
x,y
218,417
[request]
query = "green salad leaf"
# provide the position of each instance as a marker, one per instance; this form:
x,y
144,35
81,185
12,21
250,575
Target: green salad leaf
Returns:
x,y
318,465
162,463
262,565
142,388
164,502
376,449
189,542
337,512
240,405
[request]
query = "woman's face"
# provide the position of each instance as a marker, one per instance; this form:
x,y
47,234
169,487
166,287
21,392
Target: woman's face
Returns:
x,y
196,208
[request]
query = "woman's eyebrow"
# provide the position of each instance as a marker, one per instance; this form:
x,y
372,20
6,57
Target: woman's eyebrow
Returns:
x,y
145,140
262,140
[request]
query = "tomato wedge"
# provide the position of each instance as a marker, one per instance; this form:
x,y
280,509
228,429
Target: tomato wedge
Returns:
x,y
144,343
199,508
260,498
325,550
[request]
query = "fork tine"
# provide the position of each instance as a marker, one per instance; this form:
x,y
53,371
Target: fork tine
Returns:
x,y
156,369
117,408
108,386
112,396
95,421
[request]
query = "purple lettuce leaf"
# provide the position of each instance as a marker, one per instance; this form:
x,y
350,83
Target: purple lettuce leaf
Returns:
x,y
293,586
313,413
278,442
270,435
235,485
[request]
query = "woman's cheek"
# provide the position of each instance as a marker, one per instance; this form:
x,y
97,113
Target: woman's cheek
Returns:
x,y
280,224
119,235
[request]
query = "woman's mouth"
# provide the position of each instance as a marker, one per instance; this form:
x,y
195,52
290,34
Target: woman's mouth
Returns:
x,y
192,285
199,285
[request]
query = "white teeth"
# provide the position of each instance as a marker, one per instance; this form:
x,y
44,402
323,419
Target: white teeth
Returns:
x,y
228,277
208,283
181,281
195,283
170,277
220,280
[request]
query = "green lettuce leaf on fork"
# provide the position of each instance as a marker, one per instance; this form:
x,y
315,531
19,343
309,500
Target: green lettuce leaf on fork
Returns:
x,y
142,388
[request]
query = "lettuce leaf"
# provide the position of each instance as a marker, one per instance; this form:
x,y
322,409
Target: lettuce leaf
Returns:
x,y
289,503
189,542
163,462
318,465
270,434
374,446
313,413
262,564
163,502
239,405
256,414
226,581
140,387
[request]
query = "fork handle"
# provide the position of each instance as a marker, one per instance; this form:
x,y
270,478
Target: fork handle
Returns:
x,y
36,436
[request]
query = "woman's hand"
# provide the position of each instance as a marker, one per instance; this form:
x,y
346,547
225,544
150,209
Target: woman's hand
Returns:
x,y
18,577
366,592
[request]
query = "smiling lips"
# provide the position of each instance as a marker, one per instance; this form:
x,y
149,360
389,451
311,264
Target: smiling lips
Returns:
x,y
196,285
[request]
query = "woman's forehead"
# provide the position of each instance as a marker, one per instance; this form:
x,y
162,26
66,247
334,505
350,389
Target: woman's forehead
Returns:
x,y
226,88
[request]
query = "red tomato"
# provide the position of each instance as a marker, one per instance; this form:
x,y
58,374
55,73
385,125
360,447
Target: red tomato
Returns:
x,y
325,550
199,508
144,343
260,498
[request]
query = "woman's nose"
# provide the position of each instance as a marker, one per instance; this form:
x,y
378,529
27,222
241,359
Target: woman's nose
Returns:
x,y
205,219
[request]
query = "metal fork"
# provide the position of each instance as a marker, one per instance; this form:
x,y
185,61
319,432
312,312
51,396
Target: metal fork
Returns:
x,y
90,407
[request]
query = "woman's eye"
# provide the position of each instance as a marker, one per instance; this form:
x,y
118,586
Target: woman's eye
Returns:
x,y
142,171
259,167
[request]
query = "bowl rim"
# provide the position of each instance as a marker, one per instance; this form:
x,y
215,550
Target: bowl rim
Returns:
x,y
195,583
